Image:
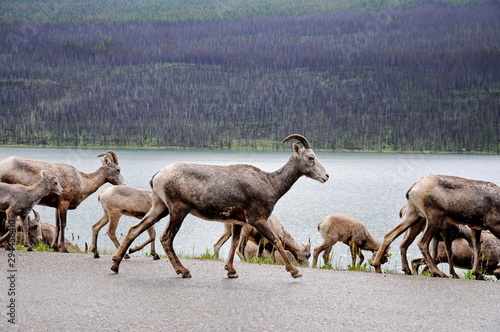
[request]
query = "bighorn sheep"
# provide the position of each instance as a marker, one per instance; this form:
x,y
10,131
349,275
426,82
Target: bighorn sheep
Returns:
x,y
463,256
34,229
122,200
17,200
441,198
39,232
301,253
349,231
48,234
77,185
447,233
237,194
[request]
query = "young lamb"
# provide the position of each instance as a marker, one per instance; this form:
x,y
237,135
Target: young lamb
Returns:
x,y
351,232
299,252
463,257
17,200
128,201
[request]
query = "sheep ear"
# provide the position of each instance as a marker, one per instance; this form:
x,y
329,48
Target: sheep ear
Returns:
x,y
296,148
43,174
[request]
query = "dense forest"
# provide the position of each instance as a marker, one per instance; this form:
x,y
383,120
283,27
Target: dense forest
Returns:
x,y
380,77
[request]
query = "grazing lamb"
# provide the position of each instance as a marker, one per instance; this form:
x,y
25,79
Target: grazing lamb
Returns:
x,y
301,253
252,250
237,194
77,185
48,233
441,198
447,233
463,256
34,229
349,231
17,200
122,200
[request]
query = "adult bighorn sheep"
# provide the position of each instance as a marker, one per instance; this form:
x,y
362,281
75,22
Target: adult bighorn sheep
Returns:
x,y
463,256
17,200
447,233
350,231
237,194
122,200
300,252
441,198
76,184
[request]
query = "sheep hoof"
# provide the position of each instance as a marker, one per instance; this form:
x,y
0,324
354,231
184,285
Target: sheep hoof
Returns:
x,y
185,274
479,276
114,269
439,274
297,274
30,249
232,275
97,256
126,256
156,257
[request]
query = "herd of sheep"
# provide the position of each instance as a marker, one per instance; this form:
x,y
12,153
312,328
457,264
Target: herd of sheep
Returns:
x,y
459,218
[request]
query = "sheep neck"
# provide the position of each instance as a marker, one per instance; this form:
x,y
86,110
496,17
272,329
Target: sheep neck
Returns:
x,y
92,181
284,178
38,191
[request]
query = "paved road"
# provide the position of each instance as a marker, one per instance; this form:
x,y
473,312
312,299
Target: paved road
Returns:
x,y
75,292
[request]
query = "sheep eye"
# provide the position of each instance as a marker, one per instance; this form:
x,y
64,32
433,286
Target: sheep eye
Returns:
x,y
311,159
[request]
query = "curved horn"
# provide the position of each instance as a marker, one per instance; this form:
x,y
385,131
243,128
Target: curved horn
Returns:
x,y
114,156
37,215
111,155
299,138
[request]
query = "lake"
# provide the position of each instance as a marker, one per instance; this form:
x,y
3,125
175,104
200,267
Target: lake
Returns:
x,y
370,187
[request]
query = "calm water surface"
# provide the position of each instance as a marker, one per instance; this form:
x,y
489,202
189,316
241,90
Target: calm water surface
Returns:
x,y
368,186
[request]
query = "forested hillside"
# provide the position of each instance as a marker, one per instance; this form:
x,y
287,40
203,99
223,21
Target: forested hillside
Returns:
x,y
422,77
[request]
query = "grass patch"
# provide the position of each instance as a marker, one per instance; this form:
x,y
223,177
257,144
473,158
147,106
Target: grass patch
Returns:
x,y
365,267
42,246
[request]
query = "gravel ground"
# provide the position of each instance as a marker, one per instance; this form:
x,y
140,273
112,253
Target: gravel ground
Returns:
x,y
63,292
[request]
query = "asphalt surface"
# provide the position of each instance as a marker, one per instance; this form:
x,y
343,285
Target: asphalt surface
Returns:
x,y
75,292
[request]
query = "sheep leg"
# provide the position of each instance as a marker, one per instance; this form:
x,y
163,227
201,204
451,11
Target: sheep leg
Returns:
x,y
263,227
220,242
410,217
10,225
152,236
231,271
361,257
4,237
354,251
449,254
326,246
114,218
96,228
158,211
243,240
433,224
61,215
476,245
408,239
176,218
326,254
